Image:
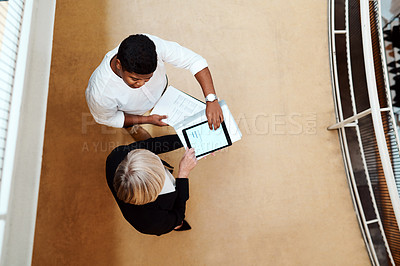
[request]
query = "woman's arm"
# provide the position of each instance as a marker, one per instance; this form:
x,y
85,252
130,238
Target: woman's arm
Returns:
x,y
164,221
168,220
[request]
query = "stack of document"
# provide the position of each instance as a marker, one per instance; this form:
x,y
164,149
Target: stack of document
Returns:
x,y
178,106
184,111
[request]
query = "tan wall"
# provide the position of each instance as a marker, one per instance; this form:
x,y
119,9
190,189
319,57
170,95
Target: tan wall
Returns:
x,y
277,197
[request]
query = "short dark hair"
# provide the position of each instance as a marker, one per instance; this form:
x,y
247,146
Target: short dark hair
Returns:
x,y
137,54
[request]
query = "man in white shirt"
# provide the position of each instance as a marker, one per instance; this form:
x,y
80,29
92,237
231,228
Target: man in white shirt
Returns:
x,y
132,77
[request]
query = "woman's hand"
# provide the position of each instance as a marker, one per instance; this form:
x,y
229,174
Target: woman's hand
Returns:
x,y
214,114
156,120
188,162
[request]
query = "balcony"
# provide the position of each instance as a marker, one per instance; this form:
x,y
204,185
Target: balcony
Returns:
x,y
366,123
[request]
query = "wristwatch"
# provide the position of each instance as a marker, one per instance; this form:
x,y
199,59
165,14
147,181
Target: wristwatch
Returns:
x,y
211,97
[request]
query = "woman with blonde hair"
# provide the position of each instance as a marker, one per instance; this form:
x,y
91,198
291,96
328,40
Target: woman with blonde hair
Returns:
x,y
149,197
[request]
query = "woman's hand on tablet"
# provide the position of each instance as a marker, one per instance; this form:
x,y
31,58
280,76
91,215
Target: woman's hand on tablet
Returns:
x,y
213,154
188,162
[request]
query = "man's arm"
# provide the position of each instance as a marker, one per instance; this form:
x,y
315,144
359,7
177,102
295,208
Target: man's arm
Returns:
x,y
213,110
179,56
131,120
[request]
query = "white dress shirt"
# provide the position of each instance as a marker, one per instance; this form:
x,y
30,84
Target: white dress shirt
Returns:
x,y
108,96
169,183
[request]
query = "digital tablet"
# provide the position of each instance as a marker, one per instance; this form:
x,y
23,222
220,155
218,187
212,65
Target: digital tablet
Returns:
x,y
204,140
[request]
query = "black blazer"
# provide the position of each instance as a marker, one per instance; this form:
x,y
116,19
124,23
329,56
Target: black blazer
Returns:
x,y
168,210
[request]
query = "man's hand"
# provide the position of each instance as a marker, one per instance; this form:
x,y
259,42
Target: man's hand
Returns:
x,y
214,114
213,110
188,162
156,120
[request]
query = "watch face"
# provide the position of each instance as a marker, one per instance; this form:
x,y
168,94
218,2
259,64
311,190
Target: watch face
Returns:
x,y
211,97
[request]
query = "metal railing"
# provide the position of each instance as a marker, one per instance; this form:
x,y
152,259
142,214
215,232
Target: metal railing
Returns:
x,y
366,123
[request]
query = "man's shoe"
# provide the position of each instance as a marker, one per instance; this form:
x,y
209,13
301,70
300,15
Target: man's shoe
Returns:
x,y
139,133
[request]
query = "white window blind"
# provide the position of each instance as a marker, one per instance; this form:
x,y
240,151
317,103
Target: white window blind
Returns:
x,y
24,79
11,13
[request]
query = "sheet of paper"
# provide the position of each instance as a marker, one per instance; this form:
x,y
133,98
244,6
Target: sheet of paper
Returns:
x,y
231,125
177,105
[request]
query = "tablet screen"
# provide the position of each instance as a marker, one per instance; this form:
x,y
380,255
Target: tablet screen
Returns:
x,y
204,140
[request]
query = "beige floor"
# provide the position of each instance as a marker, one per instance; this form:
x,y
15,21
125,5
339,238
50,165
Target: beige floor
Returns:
x,y
277,197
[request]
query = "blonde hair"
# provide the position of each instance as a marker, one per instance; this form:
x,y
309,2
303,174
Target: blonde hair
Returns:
x,y
139,178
